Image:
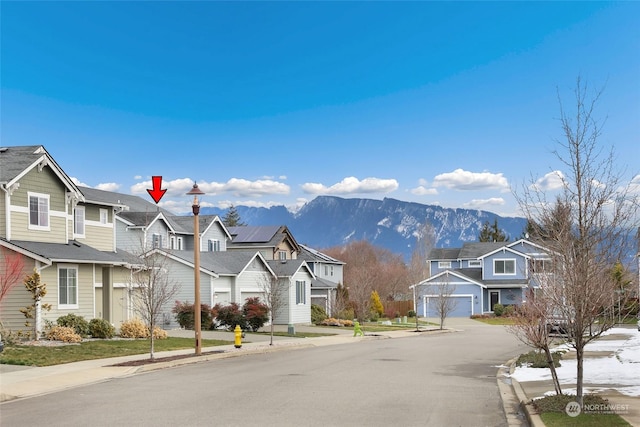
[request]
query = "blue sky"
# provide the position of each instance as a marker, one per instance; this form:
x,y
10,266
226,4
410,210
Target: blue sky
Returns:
x,y
265,103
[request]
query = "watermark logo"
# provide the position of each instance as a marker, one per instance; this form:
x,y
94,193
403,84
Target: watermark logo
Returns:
x,y
573,409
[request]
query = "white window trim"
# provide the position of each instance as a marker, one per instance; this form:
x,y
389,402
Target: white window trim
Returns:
x,y
104,216
179,243
69,267
444,264
505,261
75,223
301,285
282,255
37,226
476,263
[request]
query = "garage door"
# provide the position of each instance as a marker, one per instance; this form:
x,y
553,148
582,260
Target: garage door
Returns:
x,y
461,305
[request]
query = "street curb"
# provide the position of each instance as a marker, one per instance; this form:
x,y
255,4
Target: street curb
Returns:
x,y
525,403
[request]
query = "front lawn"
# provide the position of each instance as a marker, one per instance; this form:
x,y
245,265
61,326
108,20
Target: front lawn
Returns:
x,y
36,355
552,412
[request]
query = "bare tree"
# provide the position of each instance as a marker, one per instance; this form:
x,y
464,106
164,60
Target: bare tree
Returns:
x,y
419,268
586,226
531,328
441,293
276,295
152,289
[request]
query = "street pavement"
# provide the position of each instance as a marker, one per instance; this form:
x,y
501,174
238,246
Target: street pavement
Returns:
x,y
19,382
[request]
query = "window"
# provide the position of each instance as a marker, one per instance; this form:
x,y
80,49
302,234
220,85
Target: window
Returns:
x,y
326,270
331,270
179,243
213,245
78,221
541,266
504,266
282,255
157,241
444,264
475,263
301,288
172,242
68,286
104,216
39,211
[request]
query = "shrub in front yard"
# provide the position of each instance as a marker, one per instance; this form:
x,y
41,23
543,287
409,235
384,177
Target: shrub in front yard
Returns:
x,y
184,315
318,314
64,334
255,313
336,322
134,328
78,323
230,315
100,328
498,309
537,359
159,333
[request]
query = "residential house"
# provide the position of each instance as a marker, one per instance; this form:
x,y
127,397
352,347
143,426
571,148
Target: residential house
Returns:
x,y
274,242
296,279
61,233
328,272
480,275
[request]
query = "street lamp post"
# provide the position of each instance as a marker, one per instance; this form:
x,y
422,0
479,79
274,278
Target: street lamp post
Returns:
x,y
197,322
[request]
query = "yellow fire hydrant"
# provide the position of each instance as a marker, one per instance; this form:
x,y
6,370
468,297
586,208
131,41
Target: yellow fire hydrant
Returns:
x,y
238,333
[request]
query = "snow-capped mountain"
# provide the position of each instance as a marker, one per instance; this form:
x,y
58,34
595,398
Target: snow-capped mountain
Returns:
x,y
329,221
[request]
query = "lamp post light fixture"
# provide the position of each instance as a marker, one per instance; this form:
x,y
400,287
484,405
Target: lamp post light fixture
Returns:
x,y
197,322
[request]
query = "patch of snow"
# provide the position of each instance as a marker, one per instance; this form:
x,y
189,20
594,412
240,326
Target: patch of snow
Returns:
x,y
621,370
386,222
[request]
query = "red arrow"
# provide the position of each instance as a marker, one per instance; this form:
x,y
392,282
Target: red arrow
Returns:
x,y
156,194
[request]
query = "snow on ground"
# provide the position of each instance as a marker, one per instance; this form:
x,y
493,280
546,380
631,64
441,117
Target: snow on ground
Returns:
x,y
621,370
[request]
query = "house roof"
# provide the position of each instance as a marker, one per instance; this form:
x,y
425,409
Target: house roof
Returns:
x,y
289,267
319,283
471,250
261,236
130,202
18,160
74,252
312,255
219,262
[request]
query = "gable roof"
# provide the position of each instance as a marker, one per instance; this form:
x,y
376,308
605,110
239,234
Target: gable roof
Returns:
x,y
289,267
217,262
128,201
15,162
312,255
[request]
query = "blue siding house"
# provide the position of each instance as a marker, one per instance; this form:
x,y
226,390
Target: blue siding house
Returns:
x,y
480,275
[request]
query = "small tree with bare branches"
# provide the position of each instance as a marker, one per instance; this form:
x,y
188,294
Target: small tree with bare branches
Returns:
x,y
276,295
441,293
152,289
585,224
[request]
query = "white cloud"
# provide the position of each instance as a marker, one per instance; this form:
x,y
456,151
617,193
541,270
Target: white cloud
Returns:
x,y
423,191
551,181
352,185
76,181
137,177
108,186
482,203
236,186
460,179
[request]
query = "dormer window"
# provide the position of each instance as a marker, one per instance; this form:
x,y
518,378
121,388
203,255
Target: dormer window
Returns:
x,y
156,241
213,245
38,211
282,255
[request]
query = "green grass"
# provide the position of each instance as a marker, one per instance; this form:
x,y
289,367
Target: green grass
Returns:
x,y
556,419
30,355
552,412
496,320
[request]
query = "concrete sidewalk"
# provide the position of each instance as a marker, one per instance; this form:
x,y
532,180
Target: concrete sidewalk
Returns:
x,y
18,382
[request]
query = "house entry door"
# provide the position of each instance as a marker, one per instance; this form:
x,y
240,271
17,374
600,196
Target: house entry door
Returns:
x,y
494,298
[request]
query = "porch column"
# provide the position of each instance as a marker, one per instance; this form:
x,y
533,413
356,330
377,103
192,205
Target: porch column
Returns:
x,y
107,292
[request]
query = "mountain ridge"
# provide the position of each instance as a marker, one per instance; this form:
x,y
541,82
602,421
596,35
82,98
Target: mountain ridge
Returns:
x,y
328,221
